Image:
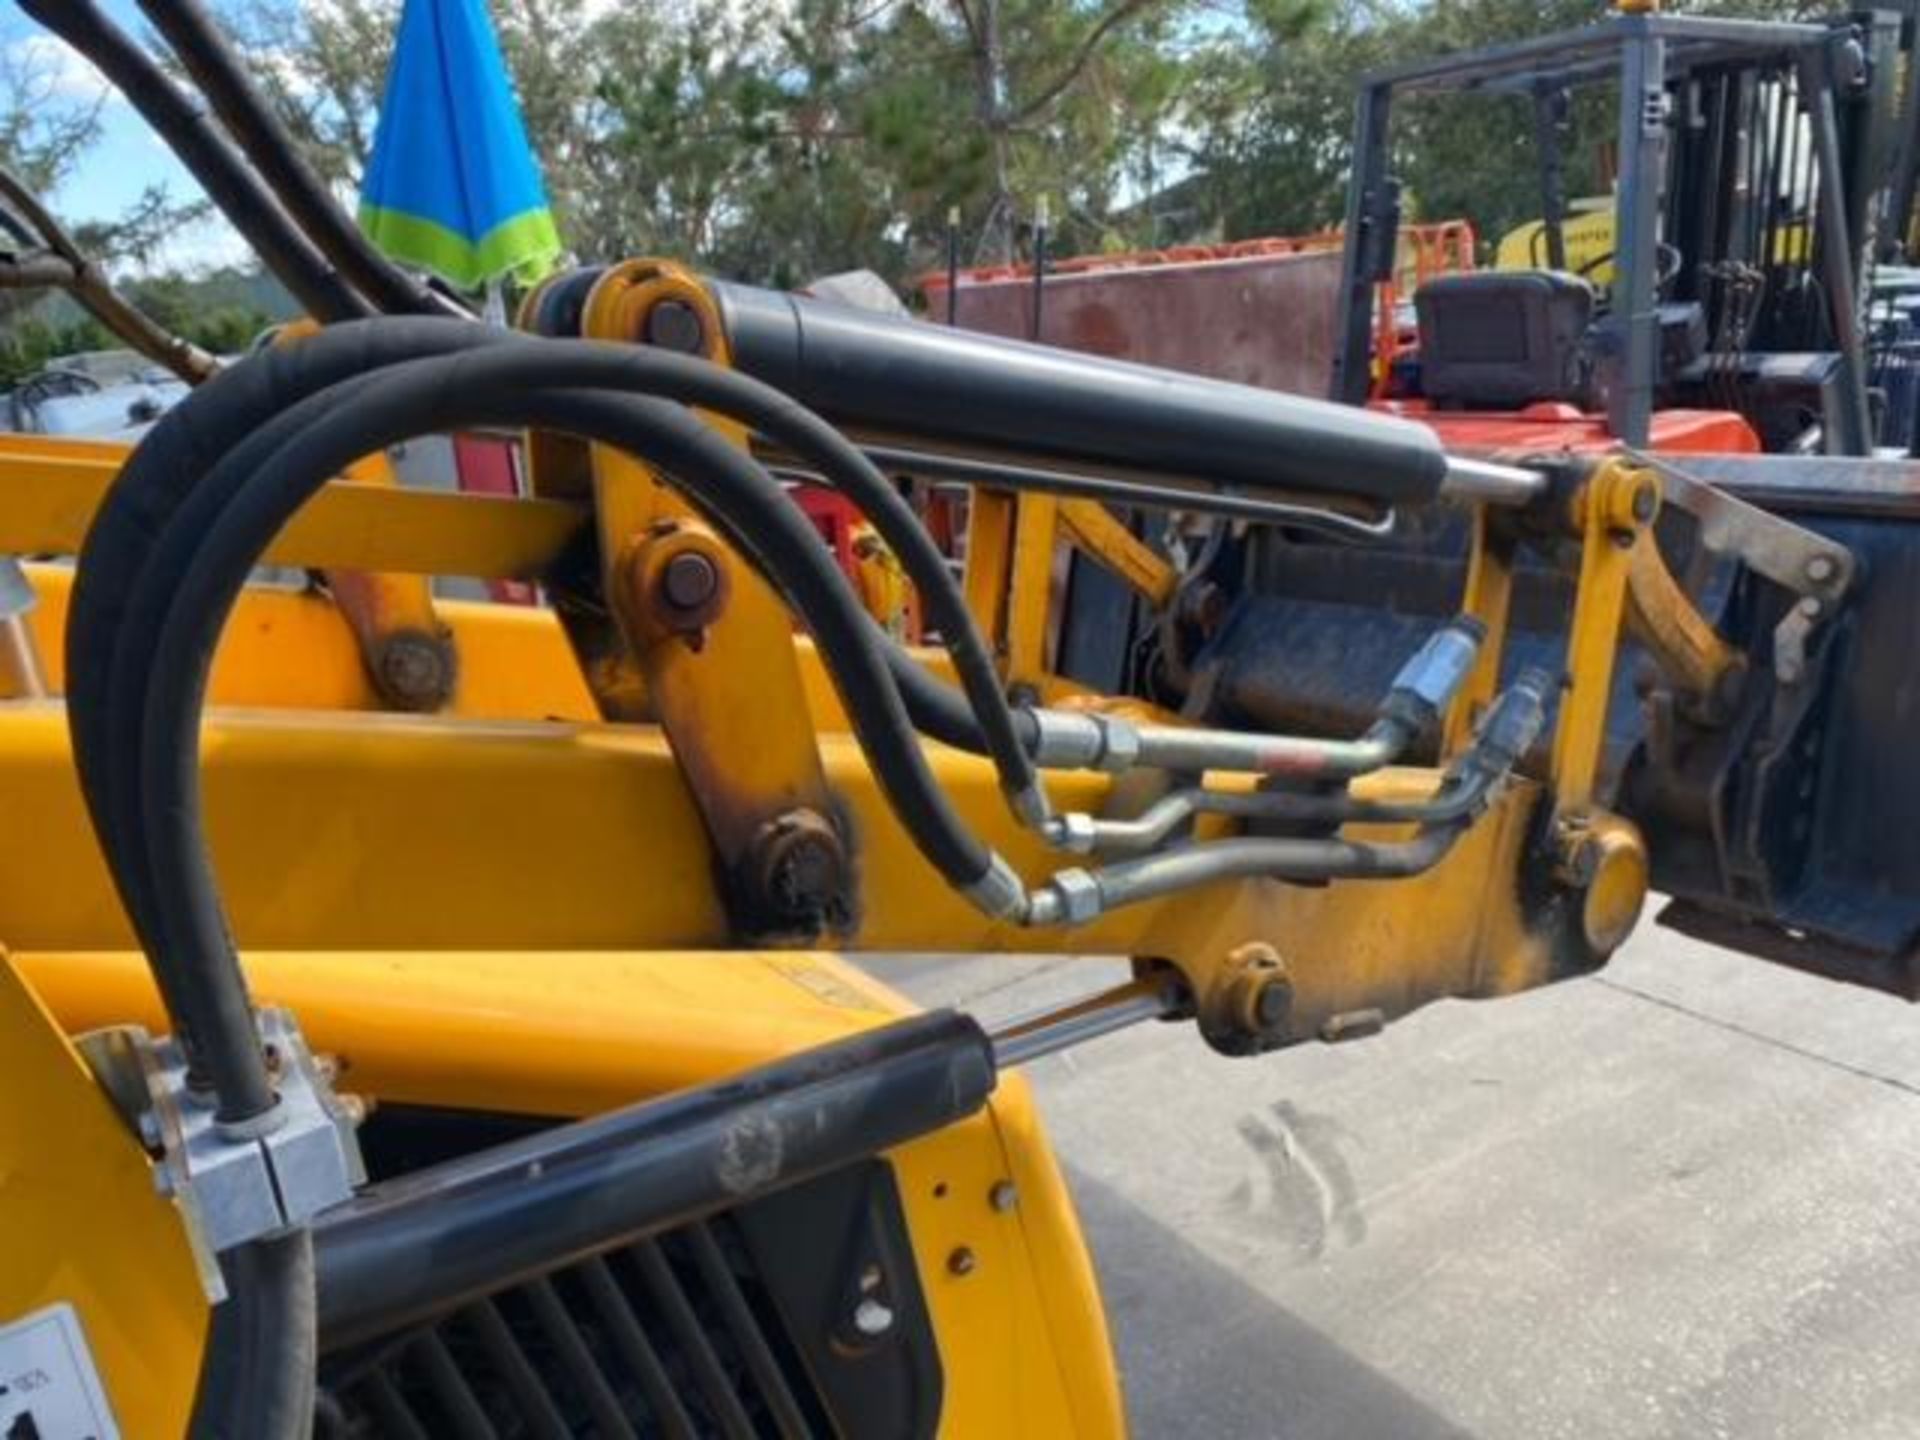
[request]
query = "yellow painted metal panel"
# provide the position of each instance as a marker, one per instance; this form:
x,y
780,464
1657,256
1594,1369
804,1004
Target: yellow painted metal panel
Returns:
x,y
1092,527
81,1223
51,499
1030,603
1023,1346
289,649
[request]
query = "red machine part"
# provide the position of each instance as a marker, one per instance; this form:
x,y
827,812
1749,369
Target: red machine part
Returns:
x,y
1550,426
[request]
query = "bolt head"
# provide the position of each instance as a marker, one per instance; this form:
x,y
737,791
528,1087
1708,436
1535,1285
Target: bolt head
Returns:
x,y
675,325
1003,1196
689,580
871,1318
1820,569
962,1261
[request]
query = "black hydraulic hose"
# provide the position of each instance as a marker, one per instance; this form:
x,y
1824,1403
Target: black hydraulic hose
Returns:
x,y
942,712
696,382
106,623
495,386
204,51
113,625
189,441
222,173
257,1371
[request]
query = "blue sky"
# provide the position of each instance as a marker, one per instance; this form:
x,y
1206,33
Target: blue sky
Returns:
x,y
129,156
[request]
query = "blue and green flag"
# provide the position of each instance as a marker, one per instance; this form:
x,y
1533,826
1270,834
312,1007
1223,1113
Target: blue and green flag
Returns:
x,y
452,185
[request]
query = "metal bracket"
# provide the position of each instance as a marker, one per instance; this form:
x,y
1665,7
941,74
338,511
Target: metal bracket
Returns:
x,y
1797,559
233,1185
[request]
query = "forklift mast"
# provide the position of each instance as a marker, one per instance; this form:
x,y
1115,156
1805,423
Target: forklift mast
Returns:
x,y
1753,158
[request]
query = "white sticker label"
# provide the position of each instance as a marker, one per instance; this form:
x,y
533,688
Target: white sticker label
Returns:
x,y
49,1389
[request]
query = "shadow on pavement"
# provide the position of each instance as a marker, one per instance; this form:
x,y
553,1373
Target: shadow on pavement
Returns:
x,y
1202,1354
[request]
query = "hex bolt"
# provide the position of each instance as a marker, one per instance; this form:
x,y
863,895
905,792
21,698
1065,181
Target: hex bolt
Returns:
x,y
962,1261
1821,569
1003,1196
676,325
871,1318
688,580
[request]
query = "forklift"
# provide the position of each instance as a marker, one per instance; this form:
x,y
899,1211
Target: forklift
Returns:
x,y
1763,170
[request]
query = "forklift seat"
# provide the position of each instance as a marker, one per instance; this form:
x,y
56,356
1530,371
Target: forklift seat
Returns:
x,y
1501,339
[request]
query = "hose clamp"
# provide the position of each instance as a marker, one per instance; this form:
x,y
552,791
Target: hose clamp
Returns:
x,y
234,1184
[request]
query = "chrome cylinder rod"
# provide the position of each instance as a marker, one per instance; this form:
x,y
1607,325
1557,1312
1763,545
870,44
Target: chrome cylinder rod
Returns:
x,y
1496,484
1049,1031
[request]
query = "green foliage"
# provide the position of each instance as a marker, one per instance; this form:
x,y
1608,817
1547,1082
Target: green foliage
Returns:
x,y
1274,146
779,142
223,312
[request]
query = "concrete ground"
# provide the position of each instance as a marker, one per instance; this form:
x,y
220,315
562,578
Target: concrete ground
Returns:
x,y
1678,1199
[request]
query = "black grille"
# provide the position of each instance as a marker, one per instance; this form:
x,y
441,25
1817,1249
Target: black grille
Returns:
x,y
674,1336
737,1325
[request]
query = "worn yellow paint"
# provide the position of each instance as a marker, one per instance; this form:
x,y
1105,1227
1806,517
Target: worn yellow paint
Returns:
x,y
84,1225
731,700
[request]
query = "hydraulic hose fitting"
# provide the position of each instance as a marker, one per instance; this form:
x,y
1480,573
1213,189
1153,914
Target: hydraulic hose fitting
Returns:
x,y
1033,807
1514,722
1077,740
1070,897
1429,680
1075,831
1000,893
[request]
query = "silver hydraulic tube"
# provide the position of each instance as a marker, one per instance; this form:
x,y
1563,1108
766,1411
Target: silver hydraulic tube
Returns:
x,y
1152,827
1080,740
1073,897
1503,737
1086,741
